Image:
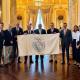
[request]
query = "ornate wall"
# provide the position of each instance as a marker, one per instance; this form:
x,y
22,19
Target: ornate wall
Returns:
x,y
57,11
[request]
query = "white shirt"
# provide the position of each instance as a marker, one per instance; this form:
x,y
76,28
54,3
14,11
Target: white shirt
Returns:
x,y
78,35
10,31
75,35
40,31
17,28
65,30
52,30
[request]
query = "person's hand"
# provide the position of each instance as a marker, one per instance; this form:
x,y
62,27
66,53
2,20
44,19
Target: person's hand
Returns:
x,y
3,42
78,46
25,33
70,45
54,32
11,42
15,36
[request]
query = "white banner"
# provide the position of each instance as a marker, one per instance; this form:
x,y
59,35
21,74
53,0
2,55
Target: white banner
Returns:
x,y
34,44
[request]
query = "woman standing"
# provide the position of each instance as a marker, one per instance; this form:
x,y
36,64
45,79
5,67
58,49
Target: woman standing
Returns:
x,y
78,49
74,42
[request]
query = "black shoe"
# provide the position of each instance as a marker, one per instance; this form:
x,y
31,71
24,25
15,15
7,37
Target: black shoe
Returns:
x,y
31,61
62,62
25,62
68,63
55,61
50,60
19,61
36,61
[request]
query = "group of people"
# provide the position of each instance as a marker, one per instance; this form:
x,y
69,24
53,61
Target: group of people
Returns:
x,y
68,38
76,45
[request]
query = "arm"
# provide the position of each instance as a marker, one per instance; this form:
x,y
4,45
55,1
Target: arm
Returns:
x,y
78,45
58,31
21,31
70,36
60,34
48,32
44,31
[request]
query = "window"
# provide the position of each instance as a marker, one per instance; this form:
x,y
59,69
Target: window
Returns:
x,y
39,20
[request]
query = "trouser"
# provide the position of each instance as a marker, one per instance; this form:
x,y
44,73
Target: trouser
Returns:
x,y
27,57
15,51
7,50
78,55
65,48
1,49
74,53
53,56
41,56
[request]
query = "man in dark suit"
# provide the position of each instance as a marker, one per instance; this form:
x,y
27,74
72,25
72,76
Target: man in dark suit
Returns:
x,y
40,31
28,31
9,43
53,30
8,37
1,40
66,40
16,31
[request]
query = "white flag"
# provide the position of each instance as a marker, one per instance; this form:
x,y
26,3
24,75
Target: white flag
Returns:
x,y
40,44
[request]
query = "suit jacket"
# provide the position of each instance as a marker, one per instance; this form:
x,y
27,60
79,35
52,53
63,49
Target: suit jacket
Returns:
x,y
16,33
8,37
54,31
66,39
1,38
43,31
27,32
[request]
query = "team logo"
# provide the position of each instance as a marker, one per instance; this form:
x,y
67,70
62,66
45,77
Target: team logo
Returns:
x,y
38,44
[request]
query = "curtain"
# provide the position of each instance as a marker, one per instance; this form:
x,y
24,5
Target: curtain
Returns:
x,y
47,16
33,16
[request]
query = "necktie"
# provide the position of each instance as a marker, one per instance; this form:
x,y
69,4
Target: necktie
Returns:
x,y
17,31
65,31
10,32
39,31
51,31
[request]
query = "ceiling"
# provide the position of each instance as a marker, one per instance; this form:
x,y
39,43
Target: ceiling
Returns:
x,y
43,2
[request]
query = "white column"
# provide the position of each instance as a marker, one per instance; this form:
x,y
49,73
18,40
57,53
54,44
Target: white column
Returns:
x,y
70,7
6,13
74,13
13,17
78,12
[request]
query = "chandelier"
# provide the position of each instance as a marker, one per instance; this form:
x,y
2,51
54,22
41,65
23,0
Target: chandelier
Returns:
x,y
38,2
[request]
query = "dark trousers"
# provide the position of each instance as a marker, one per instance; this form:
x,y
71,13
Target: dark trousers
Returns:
x,y
78,55
15,51
41,56
27,57
74,50
65,48
1,48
